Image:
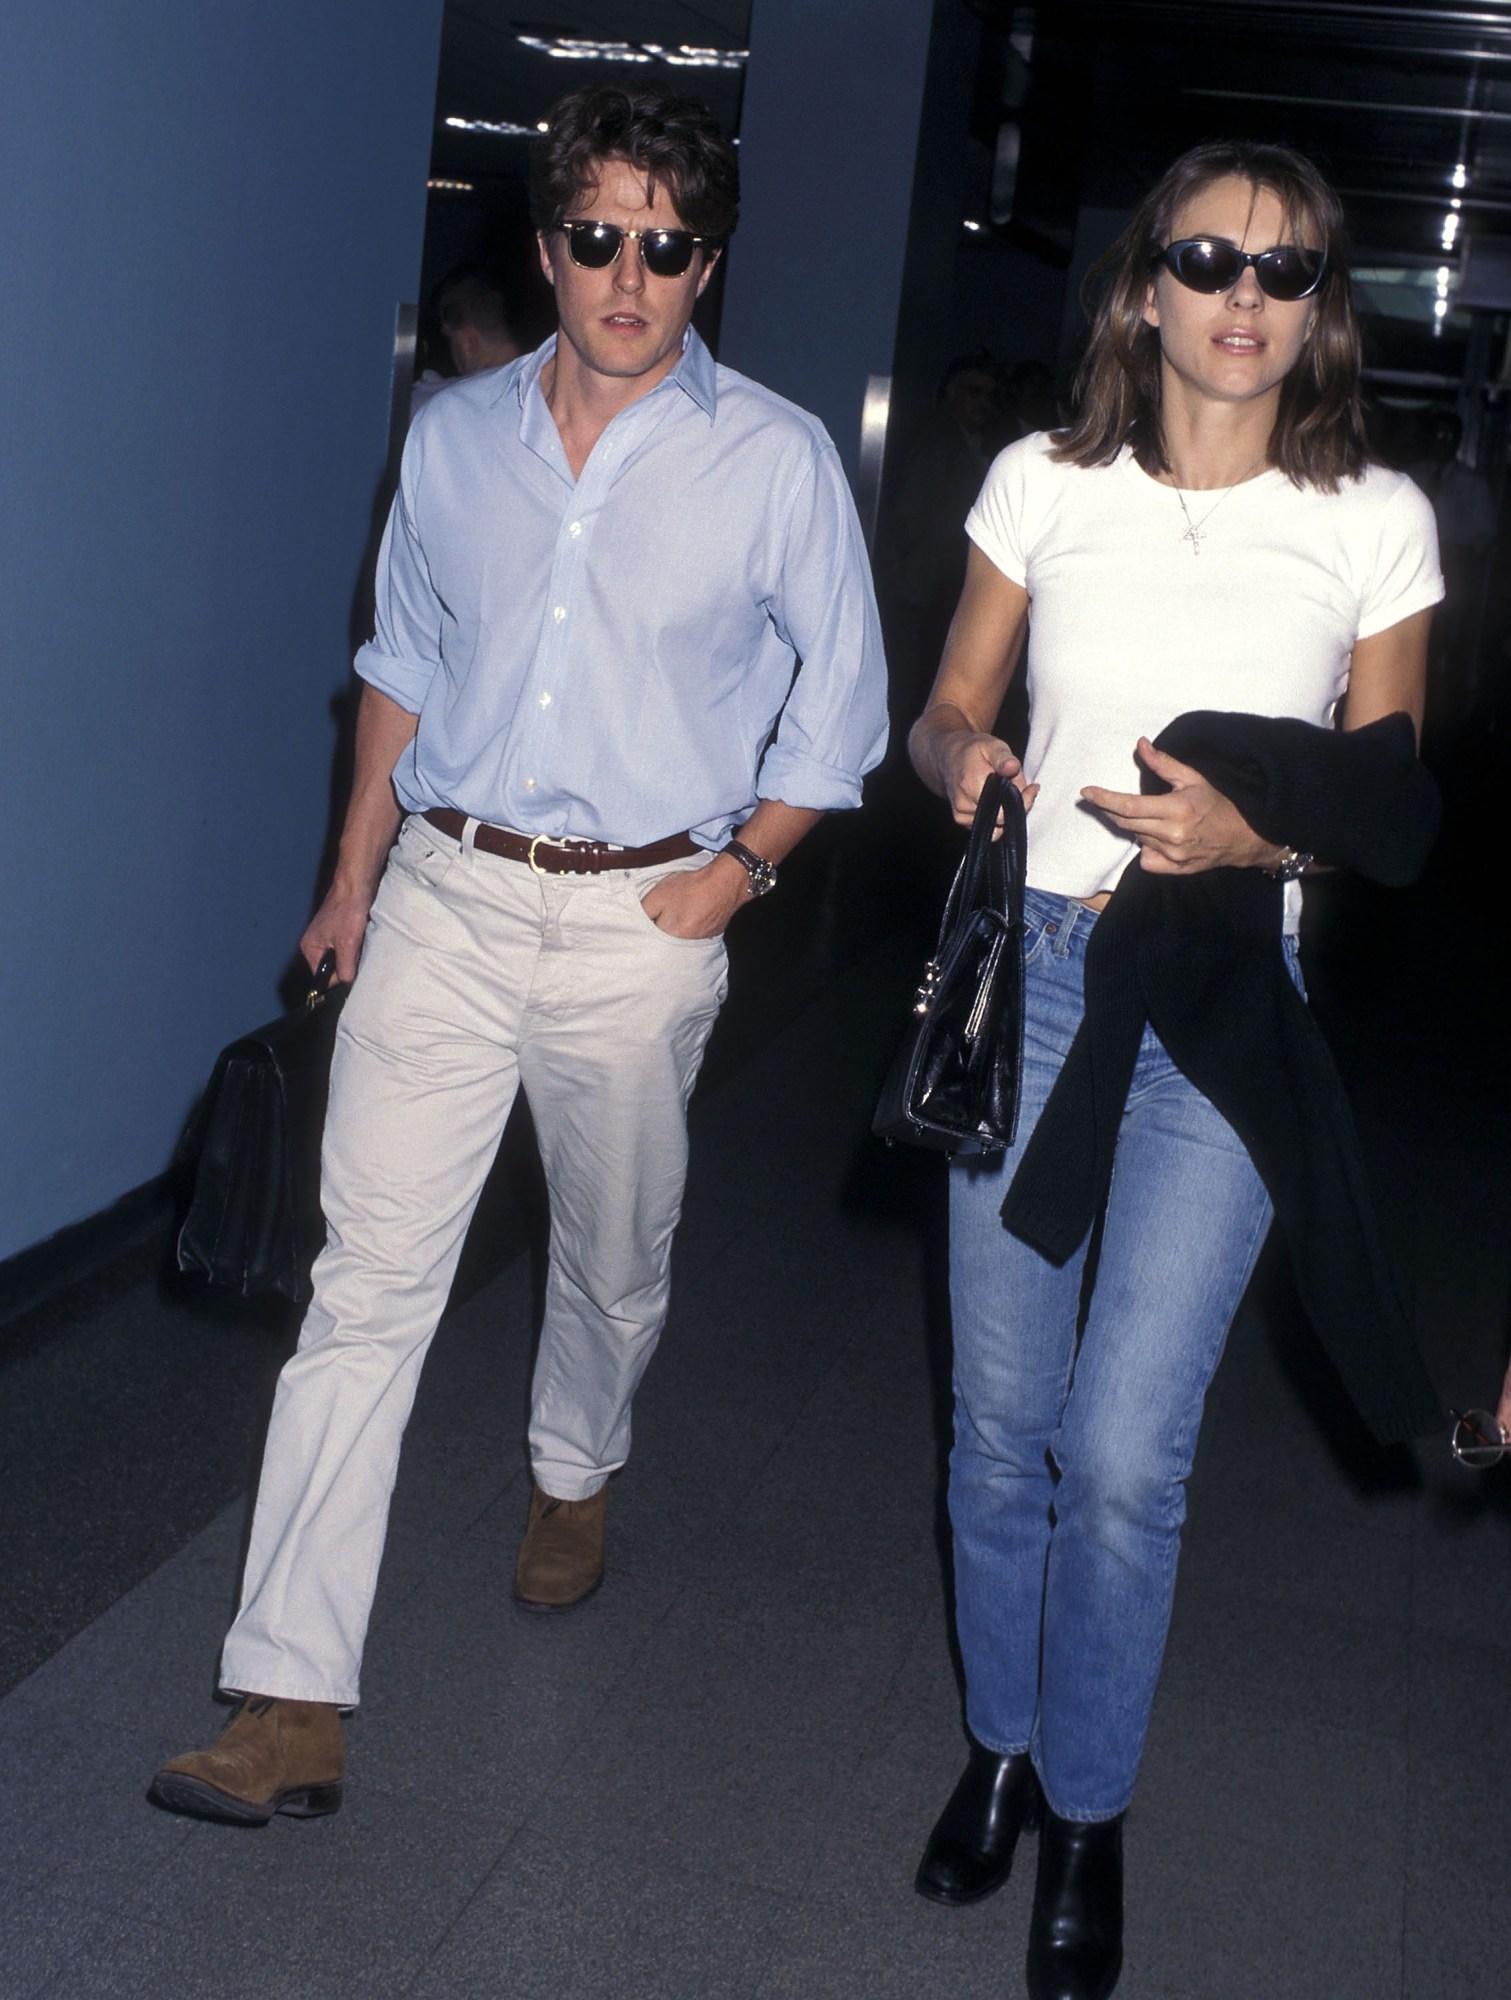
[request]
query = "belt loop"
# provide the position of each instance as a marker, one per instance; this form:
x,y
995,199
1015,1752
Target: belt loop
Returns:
x,y
1079,920
1065,924
469,837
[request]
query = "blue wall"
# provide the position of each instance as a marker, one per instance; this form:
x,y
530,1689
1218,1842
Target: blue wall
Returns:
x,y
828,139
210,213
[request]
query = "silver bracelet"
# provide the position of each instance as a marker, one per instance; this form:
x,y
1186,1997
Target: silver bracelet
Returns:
x,y
1291,864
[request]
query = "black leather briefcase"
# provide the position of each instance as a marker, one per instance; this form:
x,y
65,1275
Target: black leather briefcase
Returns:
x,y
254,1220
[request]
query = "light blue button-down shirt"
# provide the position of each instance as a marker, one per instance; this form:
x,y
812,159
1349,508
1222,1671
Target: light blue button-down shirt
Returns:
x,y
614,656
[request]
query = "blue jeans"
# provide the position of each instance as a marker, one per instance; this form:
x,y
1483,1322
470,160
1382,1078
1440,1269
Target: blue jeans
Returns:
x,y
1067,1478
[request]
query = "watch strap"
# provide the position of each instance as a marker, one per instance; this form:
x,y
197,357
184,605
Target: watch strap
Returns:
x,y
762,872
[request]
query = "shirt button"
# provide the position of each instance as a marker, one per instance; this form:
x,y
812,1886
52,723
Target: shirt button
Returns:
x,y
559,613
529,784
575,530
544,699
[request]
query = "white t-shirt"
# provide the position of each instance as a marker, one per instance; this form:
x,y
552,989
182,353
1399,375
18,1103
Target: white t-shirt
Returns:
x,y
1129,626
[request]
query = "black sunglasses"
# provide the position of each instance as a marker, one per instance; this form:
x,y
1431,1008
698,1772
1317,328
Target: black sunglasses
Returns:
x,y
1478,1438
593,246
1208,264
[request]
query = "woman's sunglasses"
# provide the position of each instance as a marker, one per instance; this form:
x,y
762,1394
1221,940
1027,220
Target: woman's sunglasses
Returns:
x,y
1208,264
1477,1439
593,246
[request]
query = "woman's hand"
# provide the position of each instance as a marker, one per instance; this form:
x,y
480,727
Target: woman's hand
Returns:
x,y
1186,830
963,760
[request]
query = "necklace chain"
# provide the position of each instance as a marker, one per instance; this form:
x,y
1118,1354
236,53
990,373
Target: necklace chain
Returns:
x,y
1193,533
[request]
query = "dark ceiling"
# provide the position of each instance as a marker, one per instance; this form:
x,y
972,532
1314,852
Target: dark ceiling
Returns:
x,y
1407,108
1390,97
488,72
1390,100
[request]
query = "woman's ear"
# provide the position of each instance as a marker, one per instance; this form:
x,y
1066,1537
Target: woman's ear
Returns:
x,y
1151,306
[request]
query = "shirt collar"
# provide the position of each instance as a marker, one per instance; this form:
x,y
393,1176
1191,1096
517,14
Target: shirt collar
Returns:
x,y
695,374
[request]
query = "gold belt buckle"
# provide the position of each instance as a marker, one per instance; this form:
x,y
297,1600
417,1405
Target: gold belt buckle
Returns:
x,y
588,852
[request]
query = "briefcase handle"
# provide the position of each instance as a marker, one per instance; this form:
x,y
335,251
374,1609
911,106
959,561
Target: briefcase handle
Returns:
x,y
320,979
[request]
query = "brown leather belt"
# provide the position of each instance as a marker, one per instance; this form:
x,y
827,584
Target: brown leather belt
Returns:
x,y
553,857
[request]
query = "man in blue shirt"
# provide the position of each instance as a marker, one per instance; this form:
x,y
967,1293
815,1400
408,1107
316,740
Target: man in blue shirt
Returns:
x,y
626,656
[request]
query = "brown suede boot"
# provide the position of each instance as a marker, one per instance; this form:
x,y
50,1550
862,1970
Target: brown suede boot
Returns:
x,y
561,1558
274,1756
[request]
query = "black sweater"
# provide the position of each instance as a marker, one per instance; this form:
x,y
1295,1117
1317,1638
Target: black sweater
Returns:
x,y
1200,958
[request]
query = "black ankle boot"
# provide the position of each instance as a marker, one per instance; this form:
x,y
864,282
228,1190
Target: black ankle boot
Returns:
x,y
971,1848
1075,1937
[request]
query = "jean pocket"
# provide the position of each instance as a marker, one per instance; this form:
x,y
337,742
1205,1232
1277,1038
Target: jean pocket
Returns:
x,y
423,853
1036,943
639,883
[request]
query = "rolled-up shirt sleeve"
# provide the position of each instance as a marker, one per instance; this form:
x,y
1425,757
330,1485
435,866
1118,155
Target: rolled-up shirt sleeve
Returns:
x,y
404,654
833,728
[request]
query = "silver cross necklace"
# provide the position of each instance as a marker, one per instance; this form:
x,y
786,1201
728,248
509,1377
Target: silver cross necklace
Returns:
x,y
1193,533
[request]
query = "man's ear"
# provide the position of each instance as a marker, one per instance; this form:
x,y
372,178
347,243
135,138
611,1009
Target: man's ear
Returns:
x,y
545,256
710,258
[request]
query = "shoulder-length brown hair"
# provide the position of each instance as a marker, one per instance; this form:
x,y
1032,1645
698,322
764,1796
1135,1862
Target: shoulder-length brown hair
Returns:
x,y
1318,439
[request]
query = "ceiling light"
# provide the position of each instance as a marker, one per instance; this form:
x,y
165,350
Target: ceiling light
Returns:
x,y
500,128
973,226
684,56
1460,176
681,55
452,187
573,48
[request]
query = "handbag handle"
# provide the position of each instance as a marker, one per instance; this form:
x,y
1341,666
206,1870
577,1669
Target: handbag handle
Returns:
x,y
992,871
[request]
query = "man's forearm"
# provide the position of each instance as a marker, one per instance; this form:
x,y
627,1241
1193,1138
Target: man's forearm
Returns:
x,y
774,829
384,731
700,902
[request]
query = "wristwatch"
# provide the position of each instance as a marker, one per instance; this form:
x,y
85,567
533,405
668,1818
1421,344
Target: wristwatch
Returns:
x,y
762,872
1291,864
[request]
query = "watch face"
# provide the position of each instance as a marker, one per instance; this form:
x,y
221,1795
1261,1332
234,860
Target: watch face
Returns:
x,y
762,873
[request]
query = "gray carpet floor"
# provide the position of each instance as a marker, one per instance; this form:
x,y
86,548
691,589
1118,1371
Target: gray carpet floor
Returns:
x,y
714,1779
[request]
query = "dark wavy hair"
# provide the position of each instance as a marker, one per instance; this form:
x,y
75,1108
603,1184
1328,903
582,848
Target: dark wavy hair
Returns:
x,y
1319,437
674,141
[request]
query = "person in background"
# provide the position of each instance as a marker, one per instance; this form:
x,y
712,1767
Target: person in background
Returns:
x,y
626,657
472,313
1029,402
1463,502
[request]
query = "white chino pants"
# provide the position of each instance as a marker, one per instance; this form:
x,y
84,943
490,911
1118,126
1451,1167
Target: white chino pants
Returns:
x,y
477,976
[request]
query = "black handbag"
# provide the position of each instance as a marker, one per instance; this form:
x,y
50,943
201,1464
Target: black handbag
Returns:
x,y
954,1083
254,1220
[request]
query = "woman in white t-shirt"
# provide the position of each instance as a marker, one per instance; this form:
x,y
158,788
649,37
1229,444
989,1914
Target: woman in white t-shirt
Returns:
x,y
1208,534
